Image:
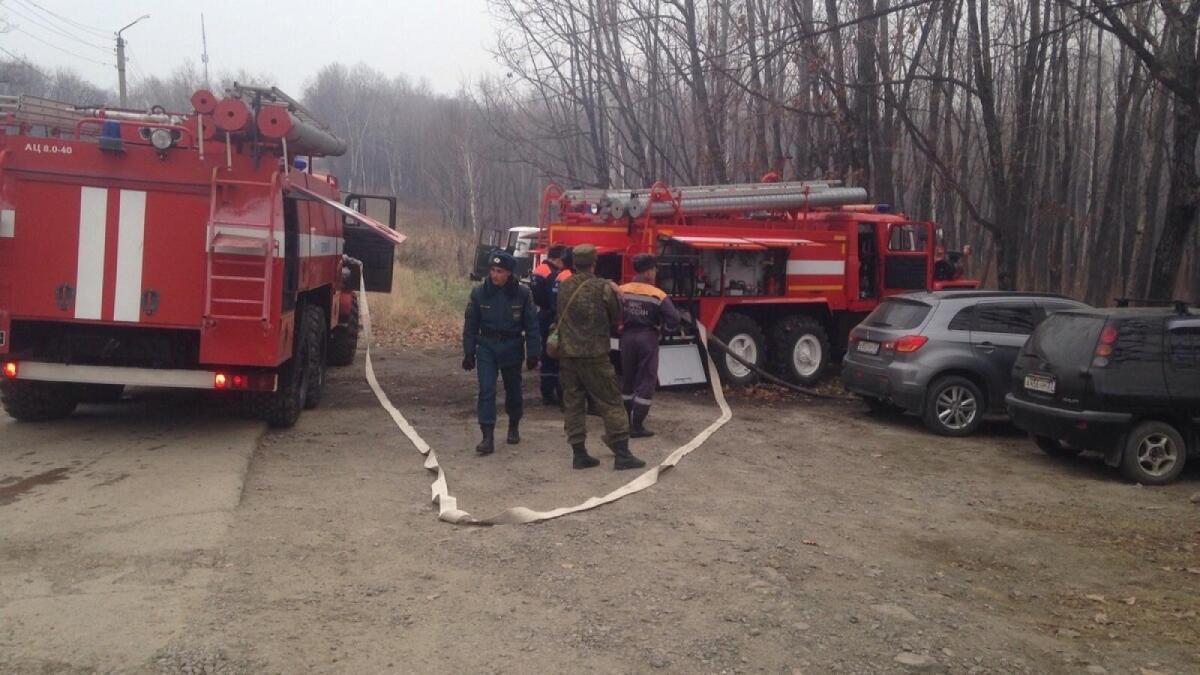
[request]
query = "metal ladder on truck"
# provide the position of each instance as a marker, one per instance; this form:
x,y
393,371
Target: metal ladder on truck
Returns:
x,y
246,246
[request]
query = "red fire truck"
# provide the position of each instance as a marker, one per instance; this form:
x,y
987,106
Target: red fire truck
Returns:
x,y
778,271
196,250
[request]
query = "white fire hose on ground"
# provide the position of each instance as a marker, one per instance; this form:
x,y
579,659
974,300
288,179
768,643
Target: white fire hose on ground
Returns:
x,y
447,503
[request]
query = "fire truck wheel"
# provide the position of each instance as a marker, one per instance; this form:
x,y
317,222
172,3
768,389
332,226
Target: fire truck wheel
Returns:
x,y
29,401
745,338
282,407
800,349
316,329
343,340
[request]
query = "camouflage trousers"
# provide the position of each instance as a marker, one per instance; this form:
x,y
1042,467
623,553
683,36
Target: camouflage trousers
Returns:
x,y
592,376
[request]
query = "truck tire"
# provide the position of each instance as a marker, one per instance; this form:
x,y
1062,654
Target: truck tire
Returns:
x,y
282,407
800,349
1154,453
744,336
954,406
343,339
32,401
317,329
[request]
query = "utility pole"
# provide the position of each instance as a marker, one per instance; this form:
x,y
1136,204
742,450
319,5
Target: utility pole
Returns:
x,y
121,58
204,56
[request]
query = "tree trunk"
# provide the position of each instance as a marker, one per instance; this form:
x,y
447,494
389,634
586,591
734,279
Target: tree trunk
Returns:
x,y
714,156
1180,213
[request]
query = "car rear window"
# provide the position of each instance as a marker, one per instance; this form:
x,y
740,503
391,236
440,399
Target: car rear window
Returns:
x,y
1066,339
895,313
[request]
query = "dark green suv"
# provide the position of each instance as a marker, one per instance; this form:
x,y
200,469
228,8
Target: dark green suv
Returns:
x,y
1124,382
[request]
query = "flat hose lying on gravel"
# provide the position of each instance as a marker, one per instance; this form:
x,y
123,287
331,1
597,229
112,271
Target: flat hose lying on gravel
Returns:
x,y
448,505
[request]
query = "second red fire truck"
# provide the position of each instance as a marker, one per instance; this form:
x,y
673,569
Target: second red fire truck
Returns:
x,y
779,271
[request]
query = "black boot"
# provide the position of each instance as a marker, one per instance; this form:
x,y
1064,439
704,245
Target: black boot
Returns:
x,y
488,445
514,432
624,458
637,423
582,459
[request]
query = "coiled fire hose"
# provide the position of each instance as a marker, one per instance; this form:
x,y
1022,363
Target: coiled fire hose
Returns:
x,y
447,504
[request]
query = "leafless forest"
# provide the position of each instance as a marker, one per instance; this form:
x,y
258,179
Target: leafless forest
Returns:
x,y
1057,137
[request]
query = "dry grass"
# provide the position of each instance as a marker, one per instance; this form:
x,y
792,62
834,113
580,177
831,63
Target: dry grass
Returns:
x,y
430,286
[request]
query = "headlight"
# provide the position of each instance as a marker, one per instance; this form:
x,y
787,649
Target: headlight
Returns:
x,y
161,139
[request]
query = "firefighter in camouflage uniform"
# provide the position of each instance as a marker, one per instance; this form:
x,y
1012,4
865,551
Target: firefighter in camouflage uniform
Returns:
x,y
589,311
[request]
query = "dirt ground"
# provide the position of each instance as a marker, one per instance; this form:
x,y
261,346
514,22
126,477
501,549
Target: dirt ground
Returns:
x,y
805,536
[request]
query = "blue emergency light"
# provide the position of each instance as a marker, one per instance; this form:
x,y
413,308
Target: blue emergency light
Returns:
x,y
110,136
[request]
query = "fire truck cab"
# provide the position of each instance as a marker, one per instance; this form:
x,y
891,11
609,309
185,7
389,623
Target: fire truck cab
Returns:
x,y
195,250
778,271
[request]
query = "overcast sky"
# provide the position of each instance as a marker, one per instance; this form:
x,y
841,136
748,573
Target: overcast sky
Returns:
x,y
442,41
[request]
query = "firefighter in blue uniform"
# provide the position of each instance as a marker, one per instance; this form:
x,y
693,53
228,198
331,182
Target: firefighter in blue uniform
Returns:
x,y
500,330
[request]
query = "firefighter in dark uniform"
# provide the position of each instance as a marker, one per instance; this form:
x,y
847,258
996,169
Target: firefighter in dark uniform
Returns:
x,y
500,331
544,283
648,312
589,310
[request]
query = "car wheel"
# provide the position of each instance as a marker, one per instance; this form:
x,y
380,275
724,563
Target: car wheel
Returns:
x,y
1055,448
744,338
1154,454
953,406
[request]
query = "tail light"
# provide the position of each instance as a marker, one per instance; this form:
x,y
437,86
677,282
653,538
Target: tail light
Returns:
x,y
244,381
1104,346
910,343
10,370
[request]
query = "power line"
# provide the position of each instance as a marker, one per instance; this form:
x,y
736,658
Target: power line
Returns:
x,y
100,32
65,51
57,31
25,62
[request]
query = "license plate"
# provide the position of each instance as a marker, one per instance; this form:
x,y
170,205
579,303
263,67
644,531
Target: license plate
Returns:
x,y
868,347
1039,383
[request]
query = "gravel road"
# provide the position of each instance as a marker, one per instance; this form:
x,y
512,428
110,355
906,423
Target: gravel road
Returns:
x,y
805,537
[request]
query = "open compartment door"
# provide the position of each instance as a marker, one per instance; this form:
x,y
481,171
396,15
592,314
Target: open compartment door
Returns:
x,y
366,243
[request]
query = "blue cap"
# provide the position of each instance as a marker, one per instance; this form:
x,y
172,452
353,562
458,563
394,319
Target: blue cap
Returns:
x,y
503,260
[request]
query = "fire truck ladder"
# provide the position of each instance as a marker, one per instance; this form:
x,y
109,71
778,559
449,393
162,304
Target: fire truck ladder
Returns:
x,y
247,247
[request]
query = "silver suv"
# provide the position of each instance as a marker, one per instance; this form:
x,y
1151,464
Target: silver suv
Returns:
x,y
945,355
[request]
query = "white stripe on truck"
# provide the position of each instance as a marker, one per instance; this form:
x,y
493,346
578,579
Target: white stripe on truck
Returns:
x,y
89,270
8,223
816,267
131,240
309,245
138,377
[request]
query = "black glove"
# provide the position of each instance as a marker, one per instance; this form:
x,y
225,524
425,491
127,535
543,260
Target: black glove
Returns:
x,y
469,362
686,316
532,362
